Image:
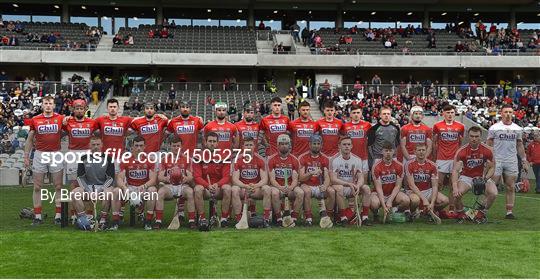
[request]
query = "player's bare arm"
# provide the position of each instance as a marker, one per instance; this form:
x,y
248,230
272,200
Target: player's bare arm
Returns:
x,y
264,178
458,165
416,190
403,147
28,146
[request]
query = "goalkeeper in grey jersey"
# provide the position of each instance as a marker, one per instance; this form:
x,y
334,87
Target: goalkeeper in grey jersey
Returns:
x,y
95,177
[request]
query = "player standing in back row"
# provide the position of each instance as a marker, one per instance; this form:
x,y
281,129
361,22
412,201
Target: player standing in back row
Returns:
x,y
330,129
357,130
383,131
506,139
274,125
447,136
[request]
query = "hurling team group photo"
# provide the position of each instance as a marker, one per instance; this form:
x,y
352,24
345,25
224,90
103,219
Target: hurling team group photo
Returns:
x,y
301,139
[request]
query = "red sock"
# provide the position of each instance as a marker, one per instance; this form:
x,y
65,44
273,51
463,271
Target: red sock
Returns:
x,y
225,215
266,214
104,215
294,215
181,202
202,215
341,213
509,207
252,207
73,212
37,210
308,215
238,217
58,210
116,217
191,216
365,211
278,216
90,212
149,216
159,215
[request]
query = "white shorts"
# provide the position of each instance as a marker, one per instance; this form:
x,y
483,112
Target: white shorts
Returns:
x,y
347,191
445,166
177,190
425,193
99,188
39,166
71,167
365,165
468,180
316,192
506,168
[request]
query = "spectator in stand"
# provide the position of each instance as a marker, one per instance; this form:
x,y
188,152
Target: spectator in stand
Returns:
x,y
13,41
387,44
51,39
305,36
129,40
151,34
370,36
459,47
295,28
533,156
165,33
10,26
117,40
432,44
262,26
172,93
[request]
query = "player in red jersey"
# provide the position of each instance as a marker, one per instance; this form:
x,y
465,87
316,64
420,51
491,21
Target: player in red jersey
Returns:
x,y
314,176
423,182
138,177
249,175
186,127
150,127
274,125
45,133
248,127
415,133
79,130
219,186
357,130
447,136
226,131
282,165
387,177
475,160
301,129
175,173
113,129
330,128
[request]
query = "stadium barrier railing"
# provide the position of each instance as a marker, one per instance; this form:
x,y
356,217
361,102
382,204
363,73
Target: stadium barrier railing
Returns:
x,y
46,87
196,86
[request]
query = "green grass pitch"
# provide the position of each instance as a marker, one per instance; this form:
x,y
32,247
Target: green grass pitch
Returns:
x,y
499,249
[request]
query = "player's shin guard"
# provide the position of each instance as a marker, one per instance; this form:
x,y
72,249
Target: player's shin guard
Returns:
x,y
191,216
266,214
159,216
365,212
149,216
37,213
58,212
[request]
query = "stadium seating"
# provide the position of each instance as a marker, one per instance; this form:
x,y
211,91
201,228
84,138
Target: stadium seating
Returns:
x,y
445,42
199,104
192,39
73,32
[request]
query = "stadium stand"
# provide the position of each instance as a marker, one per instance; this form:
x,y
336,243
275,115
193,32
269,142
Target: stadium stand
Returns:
x,y
189,39
50,36
416,41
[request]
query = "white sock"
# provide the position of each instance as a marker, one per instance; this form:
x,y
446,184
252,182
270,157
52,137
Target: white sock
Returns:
x,y
57,216
38,216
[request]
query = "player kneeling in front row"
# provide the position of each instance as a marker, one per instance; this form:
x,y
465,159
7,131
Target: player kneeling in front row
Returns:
x,y
387,176
423,183
212,181
283,172
95,182
314,177
250,180
138,178
176,175
348,181
475,160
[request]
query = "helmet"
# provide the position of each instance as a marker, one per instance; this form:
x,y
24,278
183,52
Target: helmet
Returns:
x,y
83,223
417,109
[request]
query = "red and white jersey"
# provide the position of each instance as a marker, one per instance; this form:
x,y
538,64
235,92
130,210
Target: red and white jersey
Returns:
x,y
48,132
80,132
346,169
422,173
282,166
474,159
311,163
248,129
226,133
187,129
330,132
113,132
151,130
448,139
250,171
169,162
358,133
273,127
300,133
415,134
388,174
137,173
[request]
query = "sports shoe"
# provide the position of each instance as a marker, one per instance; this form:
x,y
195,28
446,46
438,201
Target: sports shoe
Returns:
x,y
224,223
308,223
57,221
102,226
366,222
266,223
203,225
192,225
113,227
443,214
343,222
510,216
480,217
461,217
408,216
147,225
157,225
37,222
